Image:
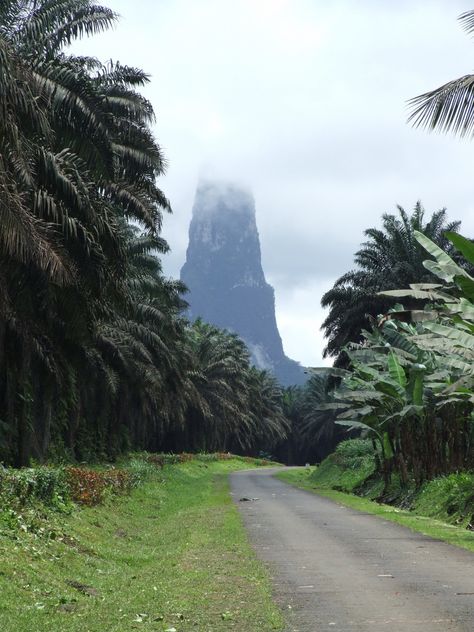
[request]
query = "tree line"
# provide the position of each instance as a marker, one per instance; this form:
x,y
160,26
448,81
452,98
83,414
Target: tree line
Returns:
x,y
411,383
95,354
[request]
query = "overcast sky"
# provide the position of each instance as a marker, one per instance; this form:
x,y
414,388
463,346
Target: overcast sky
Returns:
x,y
305,102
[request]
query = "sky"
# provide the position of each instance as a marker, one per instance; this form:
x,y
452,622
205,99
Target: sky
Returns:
x,y
303,101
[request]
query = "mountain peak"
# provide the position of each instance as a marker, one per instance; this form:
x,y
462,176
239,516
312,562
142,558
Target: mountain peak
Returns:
x,y
225,278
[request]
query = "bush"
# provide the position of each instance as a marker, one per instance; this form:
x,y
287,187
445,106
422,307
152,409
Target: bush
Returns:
x,y
160,459
24,496
354,452
90,487
210,457
47,485
86,487
56,487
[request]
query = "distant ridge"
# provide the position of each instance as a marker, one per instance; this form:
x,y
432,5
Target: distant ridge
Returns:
x,y
224,274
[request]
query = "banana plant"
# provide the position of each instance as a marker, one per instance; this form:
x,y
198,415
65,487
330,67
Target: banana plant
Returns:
x,y
384,392
448,336
411,381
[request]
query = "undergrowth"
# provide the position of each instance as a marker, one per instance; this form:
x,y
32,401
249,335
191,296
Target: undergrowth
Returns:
x,y
352,469
32,499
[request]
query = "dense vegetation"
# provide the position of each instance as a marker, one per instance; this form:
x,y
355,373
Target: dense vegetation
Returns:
x,y
95,356
391,257
408,377
407,380
410,386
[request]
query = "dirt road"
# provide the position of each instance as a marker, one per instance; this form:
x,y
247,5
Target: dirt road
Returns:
x,y
338,570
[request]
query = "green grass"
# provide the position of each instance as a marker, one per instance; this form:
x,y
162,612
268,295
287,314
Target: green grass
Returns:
x,y
432,527
172,554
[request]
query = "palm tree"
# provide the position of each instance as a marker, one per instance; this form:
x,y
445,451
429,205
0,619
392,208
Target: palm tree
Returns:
x,y
77,157
317,421
221,362
449,108
270,424
390,258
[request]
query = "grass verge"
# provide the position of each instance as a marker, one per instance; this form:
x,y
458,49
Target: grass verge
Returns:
x,y
452,534
173,555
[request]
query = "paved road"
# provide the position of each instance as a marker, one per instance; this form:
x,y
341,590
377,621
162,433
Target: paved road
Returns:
x,y
338,570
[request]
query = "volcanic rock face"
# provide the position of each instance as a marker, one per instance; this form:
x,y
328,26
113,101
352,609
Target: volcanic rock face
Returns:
x,y
224,274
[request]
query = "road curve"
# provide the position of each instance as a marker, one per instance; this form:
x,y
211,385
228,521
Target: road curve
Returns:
x,y
335,569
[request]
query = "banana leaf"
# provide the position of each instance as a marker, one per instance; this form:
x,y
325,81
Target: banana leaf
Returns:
x,y
396,370
463,245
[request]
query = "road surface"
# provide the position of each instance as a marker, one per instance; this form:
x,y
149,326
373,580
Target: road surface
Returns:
x,y
335,569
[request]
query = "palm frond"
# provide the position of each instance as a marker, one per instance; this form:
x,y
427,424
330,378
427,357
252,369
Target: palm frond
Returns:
x,y
449,108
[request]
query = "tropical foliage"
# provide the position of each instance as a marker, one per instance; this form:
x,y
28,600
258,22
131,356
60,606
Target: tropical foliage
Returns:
x,y
391,257
95,356
411,384
230,404
312,432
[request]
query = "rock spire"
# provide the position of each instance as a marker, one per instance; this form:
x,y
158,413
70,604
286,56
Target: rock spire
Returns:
x,y
224,275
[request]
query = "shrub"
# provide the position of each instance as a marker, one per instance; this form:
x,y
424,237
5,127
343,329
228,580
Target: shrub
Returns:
x,y
155,459
353,452
161,459
209,457
141,469
224,456
89,487
86,487
47,485
117,481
